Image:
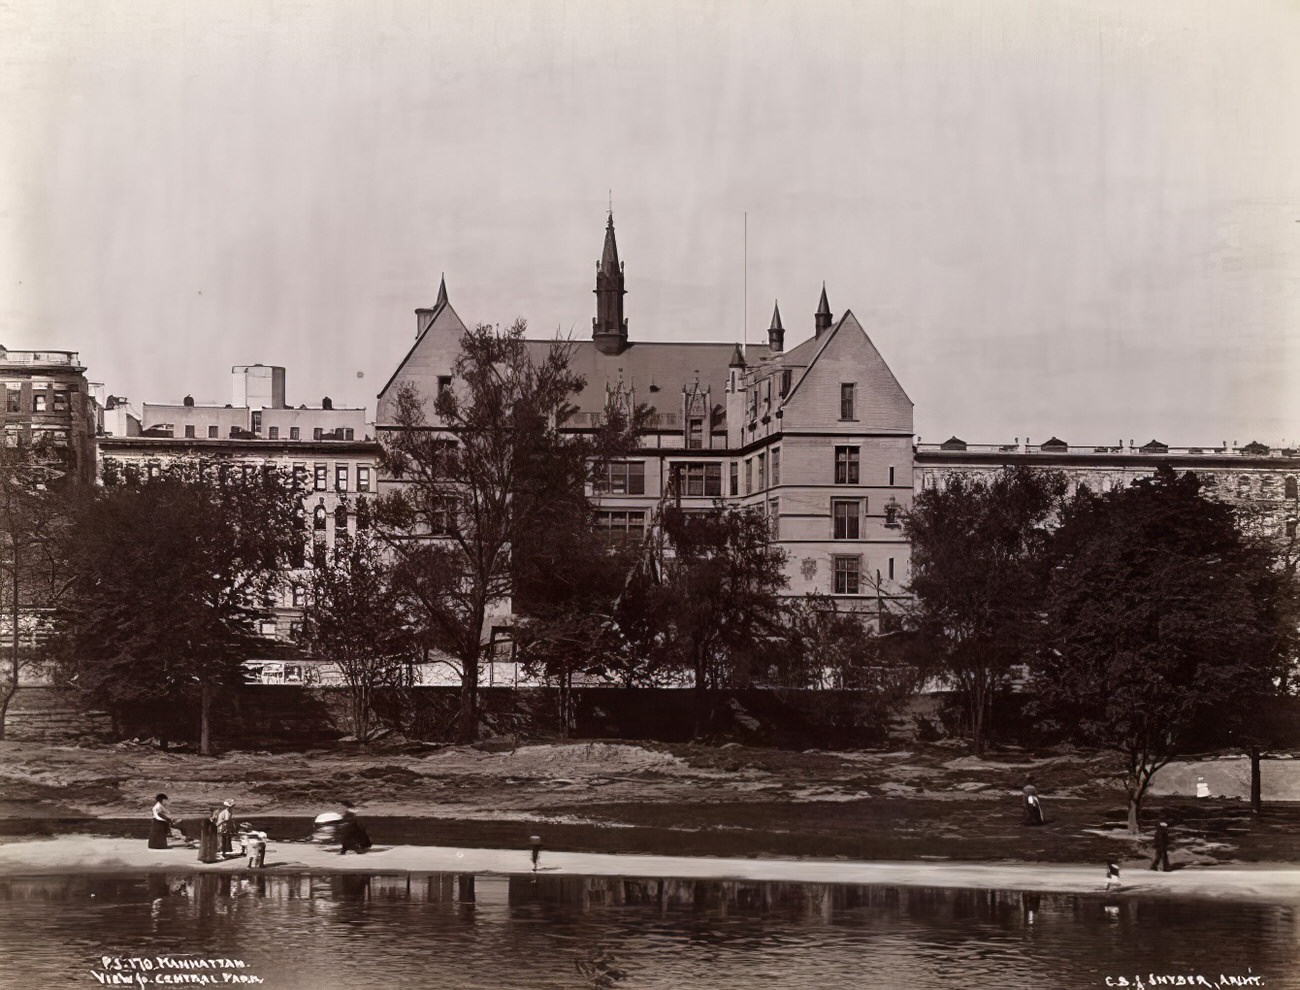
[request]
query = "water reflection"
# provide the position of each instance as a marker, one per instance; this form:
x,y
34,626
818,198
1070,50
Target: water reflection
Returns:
x,y
460,930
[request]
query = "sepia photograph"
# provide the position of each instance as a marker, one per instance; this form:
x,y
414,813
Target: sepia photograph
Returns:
x,y
644,495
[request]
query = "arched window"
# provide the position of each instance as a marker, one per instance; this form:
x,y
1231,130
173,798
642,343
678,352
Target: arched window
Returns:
x,y
341,519
1289,486
320,517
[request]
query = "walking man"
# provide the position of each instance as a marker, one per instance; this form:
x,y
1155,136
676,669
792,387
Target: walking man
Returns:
x,y
1161,859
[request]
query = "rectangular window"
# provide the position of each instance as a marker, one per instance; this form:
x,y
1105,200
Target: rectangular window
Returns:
x,y
38,402
695,434
363,478
622,478
295,433
214,432
774,518
621,527
61,401
502,645
322,477
846,400
317,434
847,517
785,382
189,432
776,466
267,627
762,471
848,575
256,421
275,432
891,568
14,401
444,385
735,477
341,519
891,475
340,477
698,479
443,520
846,465
349,433
749,475
299,596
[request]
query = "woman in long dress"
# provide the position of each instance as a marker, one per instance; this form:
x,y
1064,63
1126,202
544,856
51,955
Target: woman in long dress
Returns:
x,y
161,824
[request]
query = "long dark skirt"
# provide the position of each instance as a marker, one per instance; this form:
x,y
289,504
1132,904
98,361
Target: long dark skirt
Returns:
x,y
158,835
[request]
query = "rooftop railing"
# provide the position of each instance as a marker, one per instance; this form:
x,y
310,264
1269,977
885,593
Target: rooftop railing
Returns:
x,y
61,358
1133,450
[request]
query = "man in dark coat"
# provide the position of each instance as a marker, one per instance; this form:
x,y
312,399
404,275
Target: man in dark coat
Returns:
x,y
1161,859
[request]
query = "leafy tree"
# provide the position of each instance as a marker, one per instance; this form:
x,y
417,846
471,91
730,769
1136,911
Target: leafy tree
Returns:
x,y
716,605
35,500
353,619
1160,612
170,575
574,629
979,571
487,492
844,657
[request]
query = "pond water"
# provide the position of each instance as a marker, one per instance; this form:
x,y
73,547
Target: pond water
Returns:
x,y
308,932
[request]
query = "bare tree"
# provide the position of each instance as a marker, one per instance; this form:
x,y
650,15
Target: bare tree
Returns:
x,y
353,620
486,485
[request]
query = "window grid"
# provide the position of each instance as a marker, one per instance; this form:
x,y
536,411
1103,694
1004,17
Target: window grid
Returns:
x,y
848,575
847,390
846,465
847,516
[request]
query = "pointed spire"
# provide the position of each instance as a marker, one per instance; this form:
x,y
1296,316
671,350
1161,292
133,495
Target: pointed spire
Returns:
x,y
609,257
737,358
609,327
823,317
776,332
442,292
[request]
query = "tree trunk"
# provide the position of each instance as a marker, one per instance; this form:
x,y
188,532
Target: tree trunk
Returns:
x,y
205,719
566,701
701,700
977,717
1134,806
10,690
468,729
1256,797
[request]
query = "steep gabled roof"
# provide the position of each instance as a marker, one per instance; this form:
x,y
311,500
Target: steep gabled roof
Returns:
x,y
442,319
821,343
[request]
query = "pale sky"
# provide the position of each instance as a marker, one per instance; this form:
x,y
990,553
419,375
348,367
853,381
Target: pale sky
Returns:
x,y
1069,218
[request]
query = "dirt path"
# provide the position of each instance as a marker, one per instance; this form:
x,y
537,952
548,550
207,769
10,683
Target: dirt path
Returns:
x,y
922,803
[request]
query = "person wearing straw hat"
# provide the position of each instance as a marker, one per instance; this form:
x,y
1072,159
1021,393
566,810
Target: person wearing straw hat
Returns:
x,y
225,829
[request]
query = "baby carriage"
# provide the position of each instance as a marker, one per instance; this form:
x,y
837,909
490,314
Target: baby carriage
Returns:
x,y
332,828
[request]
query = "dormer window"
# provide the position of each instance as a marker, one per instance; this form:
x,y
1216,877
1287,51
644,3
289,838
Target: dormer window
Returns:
x,y
695,433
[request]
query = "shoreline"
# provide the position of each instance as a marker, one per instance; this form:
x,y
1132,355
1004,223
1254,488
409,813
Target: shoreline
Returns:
x,y
82,854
